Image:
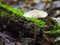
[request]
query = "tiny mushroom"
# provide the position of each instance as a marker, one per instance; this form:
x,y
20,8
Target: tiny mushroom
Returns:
x,y
35,14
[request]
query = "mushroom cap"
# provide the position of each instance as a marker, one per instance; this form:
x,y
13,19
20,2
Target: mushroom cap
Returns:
x,y
36,14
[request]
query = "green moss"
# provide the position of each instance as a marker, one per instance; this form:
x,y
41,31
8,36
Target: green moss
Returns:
x,y
10,8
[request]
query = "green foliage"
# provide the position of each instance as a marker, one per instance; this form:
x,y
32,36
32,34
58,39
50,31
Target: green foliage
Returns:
x,y
40,22
10,8
18,13
58,26
55,30
3,13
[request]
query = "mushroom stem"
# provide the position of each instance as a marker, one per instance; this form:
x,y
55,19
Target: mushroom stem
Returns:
x,y
35,32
